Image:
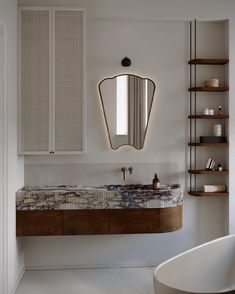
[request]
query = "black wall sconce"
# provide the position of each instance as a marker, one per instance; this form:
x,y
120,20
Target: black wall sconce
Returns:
x,y
126,62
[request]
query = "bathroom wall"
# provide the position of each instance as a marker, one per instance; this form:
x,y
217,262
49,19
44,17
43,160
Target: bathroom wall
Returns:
x,y
2,50
14,258
159,49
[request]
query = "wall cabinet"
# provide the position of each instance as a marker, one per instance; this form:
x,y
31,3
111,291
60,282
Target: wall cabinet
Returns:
x,y
51,56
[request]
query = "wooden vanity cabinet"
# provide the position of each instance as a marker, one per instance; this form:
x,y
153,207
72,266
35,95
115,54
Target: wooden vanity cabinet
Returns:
x,y
98,221
39,223
137,221
85,222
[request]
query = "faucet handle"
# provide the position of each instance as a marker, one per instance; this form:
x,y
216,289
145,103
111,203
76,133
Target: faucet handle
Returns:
x,y
130,170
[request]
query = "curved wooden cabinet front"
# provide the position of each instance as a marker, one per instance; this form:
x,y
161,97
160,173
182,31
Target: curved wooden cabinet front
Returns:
x,y
148,220
98,221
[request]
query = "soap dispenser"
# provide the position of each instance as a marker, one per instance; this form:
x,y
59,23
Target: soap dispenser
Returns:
x,y
156,182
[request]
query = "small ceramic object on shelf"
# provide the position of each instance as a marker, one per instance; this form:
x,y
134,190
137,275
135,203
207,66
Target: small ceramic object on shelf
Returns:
x,y
213,139
214,188
206,111
220,110
219,167
217,130
213,83
211,111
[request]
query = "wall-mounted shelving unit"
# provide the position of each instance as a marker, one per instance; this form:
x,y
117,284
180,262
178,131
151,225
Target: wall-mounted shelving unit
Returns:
x,y
201,193
207,172
209,61
194,117
216,116
197,144
208,89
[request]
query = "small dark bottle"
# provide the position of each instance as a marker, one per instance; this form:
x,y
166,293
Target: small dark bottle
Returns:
x,y
156,183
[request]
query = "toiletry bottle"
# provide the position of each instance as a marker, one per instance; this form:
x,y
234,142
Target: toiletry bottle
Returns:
x,y
156,183
220,110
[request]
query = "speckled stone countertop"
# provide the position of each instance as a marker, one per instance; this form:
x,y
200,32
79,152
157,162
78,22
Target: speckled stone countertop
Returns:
x,y
97,197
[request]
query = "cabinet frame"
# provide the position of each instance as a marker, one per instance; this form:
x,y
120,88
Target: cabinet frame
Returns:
x,y
51,130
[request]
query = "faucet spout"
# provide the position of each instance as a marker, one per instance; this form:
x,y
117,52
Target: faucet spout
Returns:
x,y
123,169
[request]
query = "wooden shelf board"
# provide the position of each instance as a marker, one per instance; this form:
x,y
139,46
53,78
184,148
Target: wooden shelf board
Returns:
x,y
209,144
209,172
208,89
205,61
203,116
201,193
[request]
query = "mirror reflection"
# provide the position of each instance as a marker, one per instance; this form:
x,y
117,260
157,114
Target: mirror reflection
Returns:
x,y
127,100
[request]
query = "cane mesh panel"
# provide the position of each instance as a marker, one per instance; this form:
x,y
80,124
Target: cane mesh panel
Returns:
x,y
68,81
34,80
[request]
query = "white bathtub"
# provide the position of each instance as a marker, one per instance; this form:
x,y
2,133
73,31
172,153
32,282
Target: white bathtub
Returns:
x,y
208,268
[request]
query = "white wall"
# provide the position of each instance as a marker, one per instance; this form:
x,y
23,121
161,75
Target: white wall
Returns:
x,y
2,165
15,167
158,50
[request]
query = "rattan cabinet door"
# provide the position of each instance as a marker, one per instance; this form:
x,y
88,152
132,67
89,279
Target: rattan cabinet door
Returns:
x,y
34,81
69,43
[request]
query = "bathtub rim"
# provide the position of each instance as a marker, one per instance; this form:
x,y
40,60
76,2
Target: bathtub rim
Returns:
x,y
231,236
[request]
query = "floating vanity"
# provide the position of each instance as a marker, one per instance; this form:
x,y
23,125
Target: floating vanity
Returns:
x,y
112,209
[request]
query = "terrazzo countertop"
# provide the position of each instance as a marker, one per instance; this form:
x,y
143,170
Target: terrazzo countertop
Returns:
x,y
67,197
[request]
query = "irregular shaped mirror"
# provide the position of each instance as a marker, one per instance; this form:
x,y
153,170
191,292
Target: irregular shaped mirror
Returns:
x,y
127,100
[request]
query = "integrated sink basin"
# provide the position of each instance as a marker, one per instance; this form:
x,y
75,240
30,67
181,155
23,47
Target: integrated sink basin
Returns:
x,y
98,197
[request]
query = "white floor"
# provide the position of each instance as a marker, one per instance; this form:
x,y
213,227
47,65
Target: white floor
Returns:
x,y
88,281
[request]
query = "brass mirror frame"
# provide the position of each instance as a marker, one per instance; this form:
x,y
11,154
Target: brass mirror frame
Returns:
x,y
105,117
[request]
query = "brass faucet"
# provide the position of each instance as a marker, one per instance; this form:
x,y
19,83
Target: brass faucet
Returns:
x,y
130,170
124,170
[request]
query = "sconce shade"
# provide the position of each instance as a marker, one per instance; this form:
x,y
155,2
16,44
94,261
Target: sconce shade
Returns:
x,y
126,62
